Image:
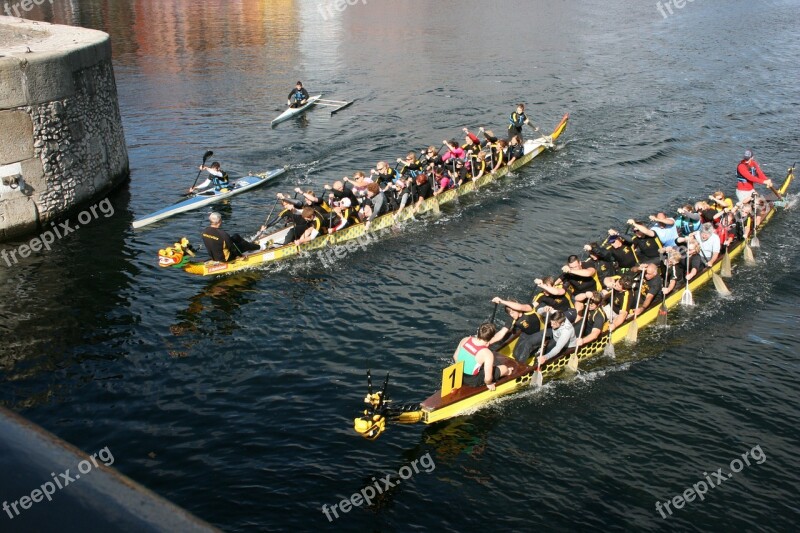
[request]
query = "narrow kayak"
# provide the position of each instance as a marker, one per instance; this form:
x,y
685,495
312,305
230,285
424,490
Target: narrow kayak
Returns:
x,y
209,197
293,111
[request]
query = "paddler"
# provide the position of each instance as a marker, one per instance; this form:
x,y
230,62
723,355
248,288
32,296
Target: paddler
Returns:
x,y
314,225
220,245
216,177
518,119
748,173
298,97
477,356
526,321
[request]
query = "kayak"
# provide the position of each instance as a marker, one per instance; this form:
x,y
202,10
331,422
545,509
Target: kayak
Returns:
x,y
294,111
533,148
204,198
457,401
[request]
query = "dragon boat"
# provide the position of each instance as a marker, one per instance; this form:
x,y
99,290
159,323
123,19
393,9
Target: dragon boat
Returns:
x,y
453,399
532,148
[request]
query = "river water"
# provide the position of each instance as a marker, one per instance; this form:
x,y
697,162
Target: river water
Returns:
x,y
234,398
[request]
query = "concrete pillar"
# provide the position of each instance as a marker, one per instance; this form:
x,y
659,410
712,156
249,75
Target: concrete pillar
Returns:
x,y
61,138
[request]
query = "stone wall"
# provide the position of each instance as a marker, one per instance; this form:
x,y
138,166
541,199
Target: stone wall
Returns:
x,y
61,138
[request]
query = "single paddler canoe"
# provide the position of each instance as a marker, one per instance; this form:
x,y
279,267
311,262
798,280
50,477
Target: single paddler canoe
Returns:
x,y
466,399
293,111
238,186
533,147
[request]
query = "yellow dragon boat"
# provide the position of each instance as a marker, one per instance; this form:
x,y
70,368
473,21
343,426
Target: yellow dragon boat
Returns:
x,y
453,400
179,255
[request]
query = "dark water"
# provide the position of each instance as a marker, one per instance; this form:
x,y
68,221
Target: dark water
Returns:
x,y
234,398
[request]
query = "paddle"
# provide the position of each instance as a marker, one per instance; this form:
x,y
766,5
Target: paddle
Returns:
x,y
572,364
632,335
269,216
206,155
662,311
754,242
537,376
687,298
726,271
494,312
609,349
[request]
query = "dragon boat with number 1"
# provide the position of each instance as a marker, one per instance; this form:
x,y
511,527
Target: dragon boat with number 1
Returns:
x,y
453,399
533,147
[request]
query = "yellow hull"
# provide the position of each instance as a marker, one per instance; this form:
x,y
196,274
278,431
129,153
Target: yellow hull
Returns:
x,y
252,260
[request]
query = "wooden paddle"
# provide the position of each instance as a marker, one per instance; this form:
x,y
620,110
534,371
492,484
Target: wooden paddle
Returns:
x,y
632,335
206,155
687,299
726,271
537,376
572,364
662,311
754,243
609,349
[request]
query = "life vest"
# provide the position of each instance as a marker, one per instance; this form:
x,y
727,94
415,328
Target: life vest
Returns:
x,y
297,95
220,182
687,225
516,121
467,353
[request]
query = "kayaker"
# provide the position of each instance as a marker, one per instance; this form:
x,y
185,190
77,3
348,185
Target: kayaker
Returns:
x,y
526,321
518,119
748,173
477,356
220,245
216,177
298,97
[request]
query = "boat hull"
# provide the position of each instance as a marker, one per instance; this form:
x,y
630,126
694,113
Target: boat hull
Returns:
x,y
294,111
241,185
